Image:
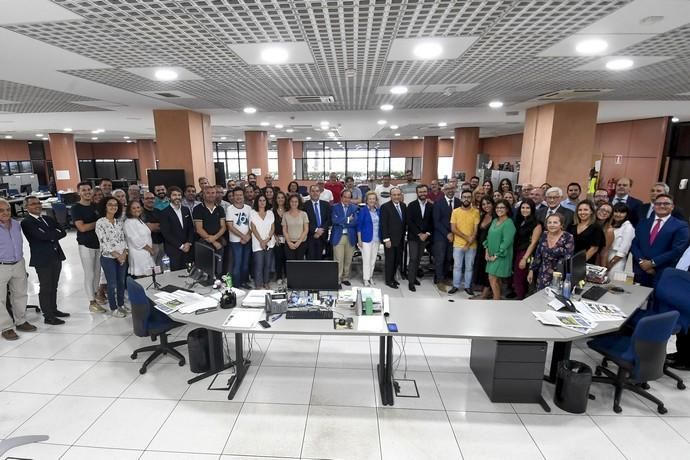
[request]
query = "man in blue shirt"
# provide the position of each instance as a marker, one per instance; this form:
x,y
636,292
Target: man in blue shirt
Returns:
x,y
162,200
12,273
574,190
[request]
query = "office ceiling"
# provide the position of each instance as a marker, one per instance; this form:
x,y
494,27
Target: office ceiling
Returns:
x,y
351,47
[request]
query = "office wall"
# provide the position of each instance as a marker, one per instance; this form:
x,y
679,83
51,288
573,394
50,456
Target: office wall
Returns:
x,y
500,149
109,150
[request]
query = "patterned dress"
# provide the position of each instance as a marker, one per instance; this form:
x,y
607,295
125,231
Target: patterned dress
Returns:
x,y
546,259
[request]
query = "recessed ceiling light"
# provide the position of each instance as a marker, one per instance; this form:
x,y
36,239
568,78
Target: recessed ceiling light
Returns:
x,y
415,137
265,123
619,64
249,110
396,134
340,143
239,139
442,124
428,50
39,135
279,126
452,137
126,137
98,131
308,138
394,127
274,55
591,46
381,122
399,90
350,73
675,120
495,104
317,129
272,136
129,142
649,20
8,137
165,75
94,138
331,134
387,107
67,130
289,130
325,123
222,138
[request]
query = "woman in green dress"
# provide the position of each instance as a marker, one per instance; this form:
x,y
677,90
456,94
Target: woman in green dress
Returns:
x,y
499,247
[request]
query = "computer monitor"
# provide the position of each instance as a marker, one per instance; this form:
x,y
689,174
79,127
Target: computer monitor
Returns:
x,y
317,275
207,261
577,267
4,186
25,189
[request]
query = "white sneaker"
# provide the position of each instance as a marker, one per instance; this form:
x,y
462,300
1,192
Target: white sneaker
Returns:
x,y
127,309
119,313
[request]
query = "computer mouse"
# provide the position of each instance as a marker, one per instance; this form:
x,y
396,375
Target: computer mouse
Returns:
x,y
342,322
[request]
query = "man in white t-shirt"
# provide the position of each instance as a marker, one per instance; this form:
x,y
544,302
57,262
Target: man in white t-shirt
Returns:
x,y
325,195
383,191
240,238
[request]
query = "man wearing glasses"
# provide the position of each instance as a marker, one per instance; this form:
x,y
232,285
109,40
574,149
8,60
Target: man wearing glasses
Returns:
x,y
659,242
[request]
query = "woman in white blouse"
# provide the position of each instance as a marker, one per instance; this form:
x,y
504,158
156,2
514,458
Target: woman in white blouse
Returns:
x,y
139,242
262,224
111,236
623,235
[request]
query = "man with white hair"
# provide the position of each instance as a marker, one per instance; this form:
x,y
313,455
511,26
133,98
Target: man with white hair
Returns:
x,y
554,196
647,210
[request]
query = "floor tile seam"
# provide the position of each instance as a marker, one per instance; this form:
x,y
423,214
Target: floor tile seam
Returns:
x,y
32,337
377,395
43,360
91,424
9,435
524,427
665,420
607,436
311,395
177,404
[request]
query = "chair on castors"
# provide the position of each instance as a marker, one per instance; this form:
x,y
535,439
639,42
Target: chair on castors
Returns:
x,y
60,212
149,322
640,357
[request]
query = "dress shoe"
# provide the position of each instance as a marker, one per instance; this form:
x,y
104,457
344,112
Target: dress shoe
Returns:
x,y
346,283
392,285
54,321
417,283
61,314
412,288
453,290
396,283
26,327
469,292
441,287
9,334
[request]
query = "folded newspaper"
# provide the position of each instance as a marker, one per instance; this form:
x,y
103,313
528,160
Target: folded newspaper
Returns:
x,y
573,321
599,311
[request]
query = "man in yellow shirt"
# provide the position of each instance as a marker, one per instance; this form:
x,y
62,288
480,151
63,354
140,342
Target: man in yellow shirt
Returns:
x,y
463,223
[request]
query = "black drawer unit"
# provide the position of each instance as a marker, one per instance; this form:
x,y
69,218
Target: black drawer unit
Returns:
x,y
509,372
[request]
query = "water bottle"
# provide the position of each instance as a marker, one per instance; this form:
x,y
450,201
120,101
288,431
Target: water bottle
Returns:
x,y
165,264
567,286
555,285
369,307
228,281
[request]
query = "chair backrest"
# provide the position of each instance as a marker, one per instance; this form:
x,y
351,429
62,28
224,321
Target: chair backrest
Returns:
x,y
141,308
60,212
671,294
648,345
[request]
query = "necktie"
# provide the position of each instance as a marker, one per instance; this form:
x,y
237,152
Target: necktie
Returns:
x,y
318,214
397,208
655,232
43,221
450,204
551,212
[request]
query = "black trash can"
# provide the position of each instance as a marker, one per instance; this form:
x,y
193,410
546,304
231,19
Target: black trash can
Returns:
x,y
197,344
572,386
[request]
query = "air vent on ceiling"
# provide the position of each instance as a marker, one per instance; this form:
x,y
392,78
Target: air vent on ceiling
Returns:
x,y
172,94
310,99
512,113
168,95
566,94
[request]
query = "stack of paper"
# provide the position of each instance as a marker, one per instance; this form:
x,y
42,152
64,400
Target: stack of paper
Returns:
x,y
599,311
256,298
573,321
183,302
244,318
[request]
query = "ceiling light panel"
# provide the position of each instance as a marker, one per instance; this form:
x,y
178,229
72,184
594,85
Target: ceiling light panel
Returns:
x,y
273,53
151,72
403,49
616,43
638,62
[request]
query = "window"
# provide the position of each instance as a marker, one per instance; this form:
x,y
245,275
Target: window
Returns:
x,y
113,169
359,159
233,156
273,160
402,164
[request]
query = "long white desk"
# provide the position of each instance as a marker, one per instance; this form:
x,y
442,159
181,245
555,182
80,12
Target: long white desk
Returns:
x,y
482,321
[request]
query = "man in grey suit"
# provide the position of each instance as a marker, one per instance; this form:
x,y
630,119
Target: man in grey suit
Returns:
x,y
554,196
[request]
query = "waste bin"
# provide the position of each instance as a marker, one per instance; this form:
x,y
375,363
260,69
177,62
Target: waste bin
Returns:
x,y
197,344
573,379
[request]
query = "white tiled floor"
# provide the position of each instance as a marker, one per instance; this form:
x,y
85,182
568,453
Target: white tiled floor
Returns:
x,y
303,397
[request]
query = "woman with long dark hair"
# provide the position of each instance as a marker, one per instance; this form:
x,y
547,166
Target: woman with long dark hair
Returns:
x,y
139,241
295,229
113,244
623,235
488,187
505,185
486,216
261,223
588,234
526,239
499,247
279,210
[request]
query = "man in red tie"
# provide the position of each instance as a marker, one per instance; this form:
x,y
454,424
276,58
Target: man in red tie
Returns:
x,y
659,242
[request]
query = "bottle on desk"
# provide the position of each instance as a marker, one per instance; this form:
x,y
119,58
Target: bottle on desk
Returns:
x,y
567,287
556,282
165,264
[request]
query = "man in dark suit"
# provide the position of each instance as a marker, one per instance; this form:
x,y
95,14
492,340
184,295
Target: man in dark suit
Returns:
x,y
177,228
319,213
623,187
554,196
647,210
420,225
393,228
43,234
443,235
659,242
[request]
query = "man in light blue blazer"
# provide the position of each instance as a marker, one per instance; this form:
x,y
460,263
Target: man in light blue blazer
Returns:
x,y
344,234
659,242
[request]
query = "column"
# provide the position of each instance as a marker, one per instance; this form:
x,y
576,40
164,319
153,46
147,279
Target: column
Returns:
x,y
558,142
63,151
146,150
256,145
429,159
465,150
183,140
285,162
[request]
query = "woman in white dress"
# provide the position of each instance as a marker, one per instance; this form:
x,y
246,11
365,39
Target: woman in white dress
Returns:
x,y
623,235
139,242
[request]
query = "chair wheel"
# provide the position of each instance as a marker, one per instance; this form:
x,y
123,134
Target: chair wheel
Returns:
x,y
644,386
133,356
181,362
604,363
142,371
680,386
661,409
617,409
597,371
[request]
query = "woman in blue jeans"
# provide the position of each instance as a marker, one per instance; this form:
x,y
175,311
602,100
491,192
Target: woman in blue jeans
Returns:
x,y
262,224
111,236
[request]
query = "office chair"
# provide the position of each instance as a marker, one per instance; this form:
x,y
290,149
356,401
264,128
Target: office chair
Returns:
x,y
60,213
640,357
149,322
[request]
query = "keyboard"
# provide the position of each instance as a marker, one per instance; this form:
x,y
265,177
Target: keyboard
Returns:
x,y
309,314
170,288
594,293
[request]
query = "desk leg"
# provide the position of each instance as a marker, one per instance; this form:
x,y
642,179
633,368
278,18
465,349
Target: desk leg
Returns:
x,y
561,351
384,370
241,366
215,352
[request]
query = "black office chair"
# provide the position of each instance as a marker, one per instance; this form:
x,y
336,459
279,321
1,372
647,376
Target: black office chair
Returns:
x,y
640,357
60,213
149,322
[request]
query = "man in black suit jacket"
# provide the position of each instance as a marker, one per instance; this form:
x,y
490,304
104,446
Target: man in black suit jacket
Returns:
x,y
623,187
554,196
420,225
177,228
443,235
646,211
43,234
393,228
319,213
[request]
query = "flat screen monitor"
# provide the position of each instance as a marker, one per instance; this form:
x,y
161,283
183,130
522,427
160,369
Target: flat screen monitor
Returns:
x,y
4,186
577,267
208,261
25,189
317,275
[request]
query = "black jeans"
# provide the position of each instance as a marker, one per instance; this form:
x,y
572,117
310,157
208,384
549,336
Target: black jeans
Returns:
x,y
393,259
48,277
296,254
279,257
443,256
415,249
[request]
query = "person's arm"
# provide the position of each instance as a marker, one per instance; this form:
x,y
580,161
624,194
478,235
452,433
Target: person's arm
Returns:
x,y
33,232
254,232
604,252
305,229
232,229
534,241
82,227
199,227
154,226
621,247
222,230
337,216
678,245
507,238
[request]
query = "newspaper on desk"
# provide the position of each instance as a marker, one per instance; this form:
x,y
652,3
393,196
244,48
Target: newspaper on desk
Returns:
x,y
573,321
244,318
183,302
599,312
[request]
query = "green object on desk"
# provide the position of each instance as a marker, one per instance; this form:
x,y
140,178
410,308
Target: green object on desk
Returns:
x,y
369,307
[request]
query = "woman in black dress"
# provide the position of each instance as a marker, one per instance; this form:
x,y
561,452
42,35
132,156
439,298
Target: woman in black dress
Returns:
x,y
487,215
588,235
